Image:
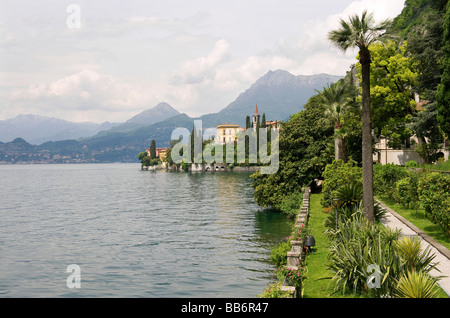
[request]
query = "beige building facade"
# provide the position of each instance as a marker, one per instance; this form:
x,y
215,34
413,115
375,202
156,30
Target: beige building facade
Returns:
x,y
385,154
226,133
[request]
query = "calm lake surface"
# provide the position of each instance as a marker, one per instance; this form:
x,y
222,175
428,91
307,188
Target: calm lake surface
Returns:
x,y
133,233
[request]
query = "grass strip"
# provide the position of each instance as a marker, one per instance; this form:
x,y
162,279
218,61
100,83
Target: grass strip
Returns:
x,y
417,217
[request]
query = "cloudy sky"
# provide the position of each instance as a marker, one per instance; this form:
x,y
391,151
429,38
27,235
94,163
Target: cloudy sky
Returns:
x,y
127,56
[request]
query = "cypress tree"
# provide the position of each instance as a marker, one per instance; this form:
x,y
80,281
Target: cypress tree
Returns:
x,y
153,149
248,122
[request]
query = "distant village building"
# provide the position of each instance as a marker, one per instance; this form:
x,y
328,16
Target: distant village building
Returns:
x,y
160,152
273,124
226,133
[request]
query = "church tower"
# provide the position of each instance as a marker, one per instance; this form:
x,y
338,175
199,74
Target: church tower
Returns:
x,y
255,117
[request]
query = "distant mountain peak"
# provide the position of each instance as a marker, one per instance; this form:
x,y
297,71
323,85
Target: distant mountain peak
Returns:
x,y
160,112
281,77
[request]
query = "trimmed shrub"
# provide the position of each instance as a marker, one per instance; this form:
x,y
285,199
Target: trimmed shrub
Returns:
x,y
385,178
406,188
434,194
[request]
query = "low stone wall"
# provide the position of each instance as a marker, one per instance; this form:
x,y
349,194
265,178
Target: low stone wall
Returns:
x,y
296,255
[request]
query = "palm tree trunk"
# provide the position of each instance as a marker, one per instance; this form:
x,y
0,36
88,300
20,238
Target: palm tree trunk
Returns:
x,y
367,160
338,149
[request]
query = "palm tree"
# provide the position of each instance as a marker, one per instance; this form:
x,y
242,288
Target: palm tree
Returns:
x,y
360,33
336,99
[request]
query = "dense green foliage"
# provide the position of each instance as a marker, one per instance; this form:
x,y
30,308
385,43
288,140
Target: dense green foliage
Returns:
x,y
303,154
291,203
337,174
434,194
278,254
425,25
392,74
443,93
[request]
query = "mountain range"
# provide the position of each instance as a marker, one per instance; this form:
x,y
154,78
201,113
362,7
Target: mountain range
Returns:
x,y
37,139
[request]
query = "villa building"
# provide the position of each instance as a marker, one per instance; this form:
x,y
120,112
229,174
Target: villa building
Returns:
x,y
160,152
227,133
385,154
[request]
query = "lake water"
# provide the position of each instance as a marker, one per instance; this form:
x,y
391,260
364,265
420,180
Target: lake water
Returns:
x,y
133,233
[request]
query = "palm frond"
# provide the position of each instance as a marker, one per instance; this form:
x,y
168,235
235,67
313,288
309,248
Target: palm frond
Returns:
x,y
359,31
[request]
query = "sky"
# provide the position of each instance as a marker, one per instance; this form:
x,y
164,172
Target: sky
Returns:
x,y
108,60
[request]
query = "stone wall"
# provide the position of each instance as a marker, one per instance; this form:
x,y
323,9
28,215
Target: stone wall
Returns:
x,y
297,253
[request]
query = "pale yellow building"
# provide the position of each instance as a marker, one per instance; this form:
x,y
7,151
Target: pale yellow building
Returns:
x,y
226,133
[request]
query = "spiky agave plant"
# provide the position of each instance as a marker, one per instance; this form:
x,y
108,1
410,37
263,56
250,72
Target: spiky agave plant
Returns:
x,y
416,284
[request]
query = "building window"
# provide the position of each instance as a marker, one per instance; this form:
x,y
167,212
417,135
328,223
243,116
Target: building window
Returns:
x,y
224,139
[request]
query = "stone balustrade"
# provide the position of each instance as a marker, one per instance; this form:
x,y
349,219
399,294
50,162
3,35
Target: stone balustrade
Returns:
x,y
296,255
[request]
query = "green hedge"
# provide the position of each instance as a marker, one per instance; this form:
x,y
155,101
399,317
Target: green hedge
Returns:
x,y
408,186
434,194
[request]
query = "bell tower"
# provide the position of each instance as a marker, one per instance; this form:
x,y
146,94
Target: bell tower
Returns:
x,y
255,117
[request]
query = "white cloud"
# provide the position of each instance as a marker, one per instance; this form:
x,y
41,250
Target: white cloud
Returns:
x,y
85,91
198,58
201,69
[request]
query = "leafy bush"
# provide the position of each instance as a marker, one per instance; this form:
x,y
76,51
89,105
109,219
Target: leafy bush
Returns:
x,y
291,204
385,178
336,175
278,254
349,204
412,164
434,194
410,251
408,194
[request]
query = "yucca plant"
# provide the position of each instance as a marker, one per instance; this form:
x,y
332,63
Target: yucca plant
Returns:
x,y
410,250
416,284
358,244
349,194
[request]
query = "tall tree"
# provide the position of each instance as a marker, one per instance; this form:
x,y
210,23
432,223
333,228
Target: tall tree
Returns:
x,y
153,149
361,32
336,99
302,154
393,75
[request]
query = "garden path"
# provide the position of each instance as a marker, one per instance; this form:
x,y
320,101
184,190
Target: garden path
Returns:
x,y
394,220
